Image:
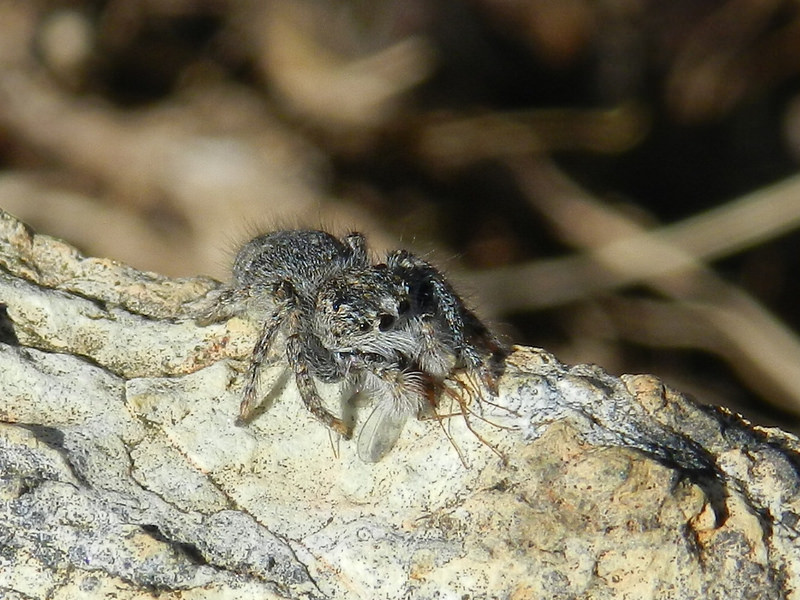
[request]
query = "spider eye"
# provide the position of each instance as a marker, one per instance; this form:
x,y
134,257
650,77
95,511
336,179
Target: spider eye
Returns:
x,y
385,323
403,307
336,304
365,326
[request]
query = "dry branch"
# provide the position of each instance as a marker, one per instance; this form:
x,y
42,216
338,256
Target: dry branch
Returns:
x,y
620,252
122,472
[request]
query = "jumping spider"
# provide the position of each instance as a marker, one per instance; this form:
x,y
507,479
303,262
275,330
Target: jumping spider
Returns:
x,y
395,330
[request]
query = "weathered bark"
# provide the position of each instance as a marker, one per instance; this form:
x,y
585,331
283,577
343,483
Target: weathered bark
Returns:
x,y
122,471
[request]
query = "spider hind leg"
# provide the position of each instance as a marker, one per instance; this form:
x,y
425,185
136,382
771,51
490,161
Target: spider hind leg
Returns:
x,y
250,395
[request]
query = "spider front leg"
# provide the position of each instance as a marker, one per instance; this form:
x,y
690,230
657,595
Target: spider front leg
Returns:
x,y
308,390
432,293
470,340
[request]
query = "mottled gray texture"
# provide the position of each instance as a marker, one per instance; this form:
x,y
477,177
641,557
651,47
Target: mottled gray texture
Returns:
x,y
122,472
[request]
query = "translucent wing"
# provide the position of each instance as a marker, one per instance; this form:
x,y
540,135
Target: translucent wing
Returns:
x,y
381,430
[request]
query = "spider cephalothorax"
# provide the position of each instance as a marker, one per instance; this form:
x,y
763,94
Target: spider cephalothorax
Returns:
x,y
394,330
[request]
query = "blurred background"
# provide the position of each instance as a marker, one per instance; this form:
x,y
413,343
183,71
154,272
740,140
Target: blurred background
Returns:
x,y
613,180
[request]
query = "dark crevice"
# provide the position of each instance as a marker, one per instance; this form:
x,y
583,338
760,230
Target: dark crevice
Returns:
x,y
189,551
54,438
7,333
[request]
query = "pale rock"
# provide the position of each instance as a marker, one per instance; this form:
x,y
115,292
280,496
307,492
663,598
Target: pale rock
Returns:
x,y
123,473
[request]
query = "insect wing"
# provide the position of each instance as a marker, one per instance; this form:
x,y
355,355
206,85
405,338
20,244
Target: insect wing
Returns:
x,y
380,431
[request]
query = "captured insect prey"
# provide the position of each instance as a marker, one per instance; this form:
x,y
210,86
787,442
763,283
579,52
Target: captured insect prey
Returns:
x,y
394,331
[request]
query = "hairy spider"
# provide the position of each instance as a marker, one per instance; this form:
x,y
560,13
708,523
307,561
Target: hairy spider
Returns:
x,y
394,330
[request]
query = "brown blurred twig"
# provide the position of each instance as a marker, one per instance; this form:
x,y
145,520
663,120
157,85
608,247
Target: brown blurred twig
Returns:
x,y
761,348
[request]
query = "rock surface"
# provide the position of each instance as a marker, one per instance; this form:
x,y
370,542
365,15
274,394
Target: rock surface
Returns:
x,y
122,473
